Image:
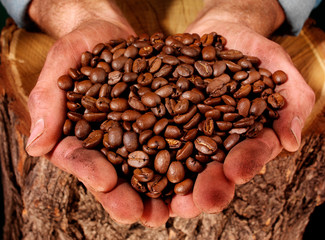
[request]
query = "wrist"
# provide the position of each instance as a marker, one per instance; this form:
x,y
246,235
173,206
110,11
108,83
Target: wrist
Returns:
x,y
57,18
261,16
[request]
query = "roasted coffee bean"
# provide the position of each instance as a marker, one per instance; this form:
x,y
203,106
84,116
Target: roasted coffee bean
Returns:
x,y
93,91
175,172
182,106
193,122
97,75
162,161
243,91
130,141
184,70
159,110
115,137
205,145
216,88
102,104
146,121
157,142
138,159
157,184
203,68
195,96
164,71
244,122
184,118
143,174
82,129
67,127
150,99
65,82
164,91
276,100
118,89
114,158
173,143
93,139
194,165
114,77
231,141
137,185
172,132
184,187
185,151
145,136
279,77
119,104
219,156
116,116
160,125
258,107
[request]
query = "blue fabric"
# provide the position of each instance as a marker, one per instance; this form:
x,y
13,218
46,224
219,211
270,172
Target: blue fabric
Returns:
x,y
297,12
17,9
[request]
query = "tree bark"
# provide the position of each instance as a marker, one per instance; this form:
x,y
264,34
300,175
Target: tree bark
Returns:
x,y
43,202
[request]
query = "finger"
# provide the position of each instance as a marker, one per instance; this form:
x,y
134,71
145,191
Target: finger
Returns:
x,y
300,100
248,157
123,203
155,213
212,190
89,166
183,206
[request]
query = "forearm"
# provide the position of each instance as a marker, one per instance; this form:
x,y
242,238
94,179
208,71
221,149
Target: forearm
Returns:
x,y
59,17
262,16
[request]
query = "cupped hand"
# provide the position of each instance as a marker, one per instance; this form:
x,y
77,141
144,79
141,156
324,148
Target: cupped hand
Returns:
x,y
214,187
47,106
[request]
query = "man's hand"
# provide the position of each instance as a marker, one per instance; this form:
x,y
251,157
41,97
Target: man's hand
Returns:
x,y
245,24
79,26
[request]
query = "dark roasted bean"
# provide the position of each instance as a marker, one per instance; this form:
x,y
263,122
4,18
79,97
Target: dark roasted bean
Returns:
x,y
162,161
205,145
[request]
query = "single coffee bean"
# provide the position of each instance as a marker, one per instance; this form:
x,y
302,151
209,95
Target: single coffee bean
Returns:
x,y
190,135
231,141
276,100
203,68
205,145
162,161
93,139
173,143
98,75
146,121
74,116
150,99
67,127
175,172
119,104
118,89
157,142
65,83
137,185
160,125
157,184
102,104
130,141
114,158
172,132
82,129
279,77
184,187
143,174
194,165
185,151
258,107
138,159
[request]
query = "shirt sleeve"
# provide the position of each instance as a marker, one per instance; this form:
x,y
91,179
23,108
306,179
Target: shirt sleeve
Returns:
x,y
297,12
17,9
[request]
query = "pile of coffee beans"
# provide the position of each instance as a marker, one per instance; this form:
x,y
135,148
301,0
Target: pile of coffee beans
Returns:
x,y
160,108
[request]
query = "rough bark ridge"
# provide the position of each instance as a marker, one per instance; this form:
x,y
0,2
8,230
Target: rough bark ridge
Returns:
x,y
42,202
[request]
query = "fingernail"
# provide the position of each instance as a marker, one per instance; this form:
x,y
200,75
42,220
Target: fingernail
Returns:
x,y
36,132
296,127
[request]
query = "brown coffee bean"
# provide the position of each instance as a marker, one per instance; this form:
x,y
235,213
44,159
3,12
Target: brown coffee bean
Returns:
x,y
114,158
162,161
205,145
65,83
146,121
194,165
258,86
85,58
231,54
119,104
145,136
253,76
139,65
154,64
244,122
93,139
219,156
182,106
254,130
74,116
184,70
118,89
223,125
115,137
184,187
82,129
176,172
243,107
216,88
160,125
279,77
150,99
276,100
159,110
215,114
209,53
137,185
83,86
193,122
114,77
190,135
130,141
184,118
258,107
164,91
203,68
116,116
158,83
195,96
172,132
243,91
157,142
102,104
185,151
67,127
186,59
74,106
230,117
143,174
208,126
173,143
138,159
157,184
164,71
